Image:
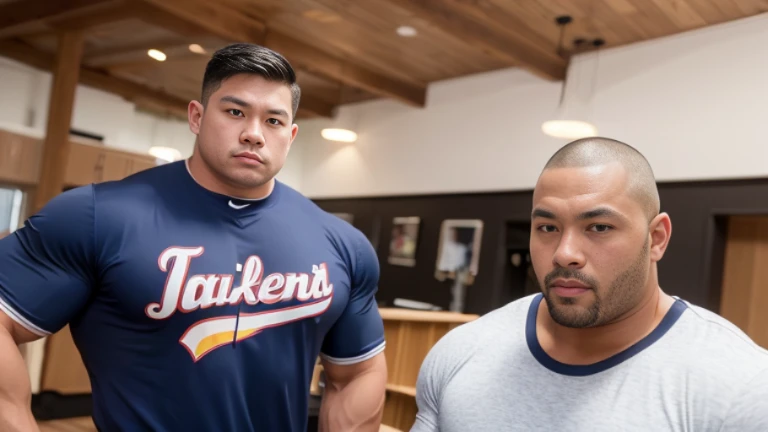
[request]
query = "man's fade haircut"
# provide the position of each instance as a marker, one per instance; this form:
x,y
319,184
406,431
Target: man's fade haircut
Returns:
x,y
594,151
244,58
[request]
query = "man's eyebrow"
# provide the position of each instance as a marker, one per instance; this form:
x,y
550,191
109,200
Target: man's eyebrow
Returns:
x,y
278,112
541,213
590,214
235,101
600,212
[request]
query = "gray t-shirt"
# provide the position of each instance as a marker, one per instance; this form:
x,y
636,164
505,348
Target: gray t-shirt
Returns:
x,y
695,372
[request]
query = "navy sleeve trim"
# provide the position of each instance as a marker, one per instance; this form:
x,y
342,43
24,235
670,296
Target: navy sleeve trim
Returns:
x,y
357,359
16,316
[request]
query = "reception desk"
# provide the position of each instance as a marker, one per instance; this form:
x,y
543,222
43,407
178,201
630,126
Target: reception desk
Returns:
x,y
410,335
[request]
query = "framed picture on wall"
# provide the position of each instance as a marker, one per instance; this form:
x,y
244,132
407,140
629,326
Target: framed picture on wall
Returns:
x,y
459,250
402,245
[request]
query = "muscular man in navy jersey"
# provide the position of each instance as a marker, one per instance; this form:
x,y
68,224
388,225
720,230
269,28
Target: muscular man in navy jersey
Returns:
x,y
201,292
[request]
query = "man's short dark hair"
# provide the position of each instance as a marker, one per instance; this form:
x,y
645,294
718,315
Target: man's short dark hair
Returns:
x,y
244,58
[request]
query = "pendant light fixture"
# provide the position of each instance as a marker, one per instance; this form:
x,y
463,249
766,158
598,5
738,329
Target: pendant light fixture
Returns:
x,y
341,131
569,120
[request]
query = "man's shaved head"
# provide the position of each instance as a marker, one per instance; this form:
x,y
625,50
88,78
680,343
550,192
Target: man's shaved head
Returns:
x,y
595,151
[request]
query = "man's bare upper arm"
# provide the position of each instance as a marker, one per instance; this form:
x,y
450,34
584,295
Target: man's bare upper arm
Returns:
x,y
19,334
342,374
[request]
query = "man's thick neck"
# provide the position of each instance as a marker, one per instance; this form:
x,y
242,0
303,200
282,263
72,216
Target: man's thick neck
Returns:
x,y
206,178
591,345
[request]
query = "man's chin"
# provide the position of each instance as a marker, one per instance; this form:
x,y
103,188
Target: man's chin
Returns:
x,y
572,313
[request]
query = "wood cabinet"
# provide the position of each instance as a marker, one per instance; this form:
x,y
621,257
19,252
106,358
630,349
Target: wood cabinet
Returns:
x,y
94,164
19,158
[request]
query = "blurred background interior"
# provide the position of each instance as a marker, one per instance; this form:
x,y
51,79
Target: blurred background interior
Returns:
x,y
424,124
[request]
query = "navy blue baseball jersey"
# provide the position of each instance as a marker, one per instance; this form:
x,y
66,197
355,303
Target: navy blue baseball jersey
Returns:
x,y
194,310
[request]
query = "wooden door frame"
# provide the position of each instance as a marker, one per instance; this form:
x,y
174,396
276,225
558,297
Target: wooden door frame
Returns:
x,y
715,240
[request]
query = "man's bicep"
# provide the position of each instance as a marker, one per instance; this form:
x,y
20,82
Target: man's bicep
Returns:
x,y
46,267
358,334
19,333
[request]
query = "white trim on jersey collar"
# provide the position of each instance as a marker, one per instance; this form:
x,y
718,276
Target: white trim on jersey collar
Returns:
x,y
11,312
352,360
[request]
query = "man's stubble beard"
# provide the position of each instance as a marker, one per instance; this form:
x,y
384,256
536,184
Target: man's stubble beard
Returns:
x,y
624,293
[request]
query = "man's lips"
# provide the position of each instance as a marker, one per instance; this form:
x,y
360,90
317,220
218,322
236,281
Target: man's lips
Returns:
x,y
568,287
251,158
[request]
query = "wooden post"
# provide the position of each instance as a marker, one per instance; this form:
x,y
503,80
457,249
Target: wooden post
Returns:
x,y
56,144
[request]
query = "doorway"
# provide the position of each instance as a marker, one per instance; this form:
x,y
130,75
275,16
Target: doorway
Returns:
x,y
519,278
744,296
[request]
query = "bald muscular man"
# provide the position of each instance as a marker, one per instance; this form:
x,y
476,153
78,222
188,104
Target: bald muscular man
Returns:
x,y
602,347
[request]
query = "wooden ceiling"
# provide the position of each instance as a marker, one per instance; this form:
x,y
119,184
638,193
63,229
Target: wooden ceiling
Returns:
x,y
343,50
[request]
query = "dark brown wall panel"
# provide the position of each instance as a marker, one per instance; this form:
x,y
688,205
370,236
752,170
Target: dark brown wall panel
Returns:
x,y
691,268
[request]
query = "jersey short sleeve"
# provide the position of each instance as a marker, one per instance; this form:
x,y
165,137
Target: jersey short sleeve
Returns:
x,y
46,266
749,411
358,334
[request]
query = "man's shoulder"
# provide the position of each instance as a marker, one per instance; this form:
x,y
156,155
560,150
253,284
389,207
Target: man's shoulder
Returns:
x,y
718,329
315,217
711,342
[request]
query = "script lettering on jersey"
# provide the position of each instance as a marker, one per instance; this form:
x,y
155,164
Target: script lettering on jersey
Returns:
x,y
187,294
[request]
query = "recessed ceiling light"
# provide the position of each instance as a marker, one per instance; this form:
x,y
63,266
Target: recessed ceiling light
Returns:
x,y
156,54
197,49
406,31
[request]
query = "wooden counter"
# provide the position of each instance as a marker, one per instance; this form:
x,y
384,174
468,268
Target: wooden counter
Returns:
x,y
410,335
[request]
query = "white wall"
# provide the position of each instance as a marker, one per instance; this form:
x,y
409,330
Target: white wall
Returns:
x,y
24,107
694,104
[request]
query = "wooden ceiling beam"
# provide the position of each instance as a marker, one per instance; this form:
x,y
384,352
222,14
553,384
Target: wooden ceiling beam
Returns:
x,y
189,17
312,60
511,46
21,17
112,55
129,90
315,106
142,96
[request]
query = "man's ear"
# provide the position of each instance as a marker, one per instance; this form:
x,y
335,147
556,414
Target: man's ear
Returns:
x,y
660,232
294,132
195,112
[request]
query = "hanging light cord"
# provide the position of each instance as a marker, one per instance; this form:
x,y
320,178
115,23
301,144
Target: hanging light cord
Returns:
x,y
597,43
562,21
